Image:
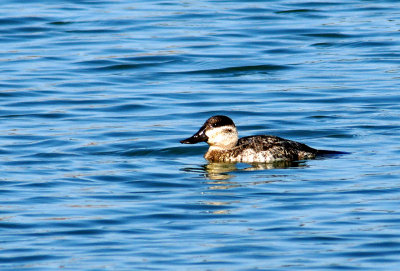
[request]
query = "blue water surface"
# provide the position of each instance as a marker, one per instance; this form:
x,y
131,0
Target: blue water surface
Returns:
x,y
95,96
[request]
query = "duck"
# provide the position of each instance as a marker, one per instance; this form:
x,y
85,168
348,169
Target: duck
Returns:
x,y
221,134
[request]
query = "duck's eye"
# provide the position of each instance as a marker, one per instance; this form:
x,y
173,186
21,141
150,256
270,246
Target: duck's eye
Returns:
x,y
229,131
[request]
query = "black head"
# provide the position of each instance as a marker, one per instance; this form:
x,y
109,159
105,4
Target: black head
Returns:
x,y
213,122
218,121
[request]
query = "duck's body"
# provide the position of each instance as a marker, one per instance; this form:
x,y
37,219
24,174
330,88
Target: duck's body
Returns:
x,y
261,148
221,134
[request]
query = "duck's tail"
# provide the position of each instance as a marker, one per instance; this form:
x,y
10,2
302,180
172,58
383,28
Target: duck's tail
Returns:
x,y
329,152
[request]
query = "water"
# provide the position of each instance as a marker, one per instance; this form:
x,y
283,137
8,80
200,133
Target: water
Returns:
x,y
95,96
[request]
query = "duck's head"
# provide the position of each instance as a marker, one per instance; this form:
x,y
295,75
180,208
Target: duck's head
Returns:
x,y
218,131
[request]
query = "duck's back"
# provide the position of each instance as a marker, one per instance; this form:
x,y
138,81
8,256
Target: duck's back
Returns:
x,y
276,147
265,149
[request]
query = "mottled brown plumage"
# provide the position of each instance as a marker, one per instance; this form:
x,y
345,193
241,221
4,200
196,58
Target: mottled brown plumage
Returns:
x,y
262,148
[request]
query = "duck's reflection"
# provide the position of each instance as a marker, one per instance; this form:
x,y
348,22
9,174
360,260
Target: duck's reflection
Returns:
x,y
220,171
220,182
223,171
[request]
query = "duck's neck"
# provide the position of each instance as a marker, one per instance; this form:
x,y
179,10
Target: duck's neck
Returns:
x,y
218,154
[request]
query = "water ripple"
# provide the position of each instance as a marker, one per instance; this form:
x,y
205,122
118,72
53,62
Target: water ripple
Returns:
x,y
96,95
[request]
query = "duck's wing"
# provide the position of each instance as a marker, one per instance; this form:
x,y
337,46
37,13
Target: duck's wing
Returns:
x,y
276,145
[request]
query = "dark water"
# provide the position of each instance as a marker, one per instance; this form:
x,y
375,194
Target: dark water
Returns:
x,y
95,96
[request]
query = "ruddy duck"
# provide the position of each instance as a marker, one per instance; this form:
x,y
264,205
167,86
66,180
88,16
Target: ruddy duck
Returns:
x,y
225,146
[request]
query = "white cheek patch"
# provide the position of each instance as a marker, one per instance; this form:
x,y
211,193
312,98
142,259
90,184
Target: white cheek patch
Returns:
x,y
216,134
222,136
